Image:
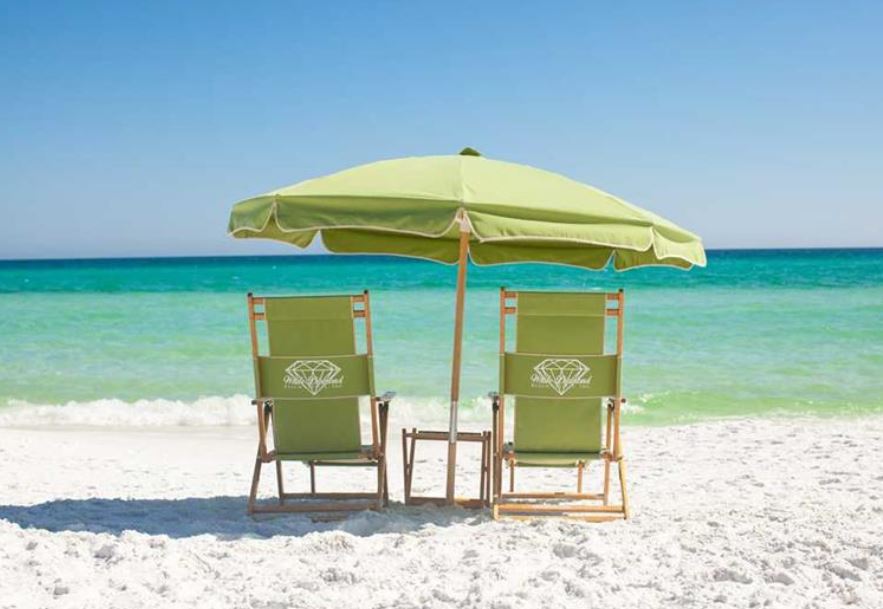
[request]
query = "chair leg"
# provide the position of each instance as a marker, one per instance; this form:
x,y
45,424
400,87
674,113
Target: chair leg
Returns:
x,y
312,477
483,471
408,451
255,479
279,484
487,465
498,476
405,463
511,477
381,482
606,481
579,477
623,489
497,436
383,489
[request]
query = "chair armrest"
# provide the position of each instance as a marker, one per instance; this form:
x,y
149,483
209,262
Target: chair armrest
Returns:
x,y
387,397
264,401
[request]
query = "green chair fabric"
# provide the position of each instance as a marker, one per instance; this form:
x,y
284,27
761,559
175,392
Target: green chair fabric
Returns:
x,y
314,377
311,325
558,376
552,459
351,457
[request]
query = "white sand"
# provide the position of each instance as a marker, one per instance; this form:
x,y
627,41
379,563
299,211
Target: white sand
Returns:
x,y
749,513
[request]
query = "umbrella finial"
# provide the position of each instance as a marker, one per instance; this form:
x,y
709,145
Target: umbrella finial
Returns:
x,y
469,152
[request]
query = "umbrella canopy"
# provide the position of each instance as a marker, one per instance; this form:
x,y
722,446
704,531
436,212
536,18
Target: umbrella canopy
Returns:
x,y
515,213
450,208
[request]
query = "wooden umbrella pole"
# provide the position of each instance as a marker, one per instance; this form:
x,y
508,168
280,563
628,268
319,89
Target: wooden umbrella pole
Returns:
x,y
458,347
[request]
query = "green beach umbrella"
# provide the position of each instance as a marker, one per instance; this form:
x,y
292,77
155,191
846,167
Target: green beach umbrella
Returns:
x,y
453,207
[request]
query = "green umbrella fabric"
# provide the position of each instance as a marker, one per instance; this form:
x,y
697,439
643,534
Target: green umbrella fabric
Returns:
x,y
515,213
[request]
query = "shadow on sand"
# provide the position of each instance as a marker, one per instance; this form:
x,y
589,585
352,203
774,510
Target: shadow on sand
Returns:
x,y
224,517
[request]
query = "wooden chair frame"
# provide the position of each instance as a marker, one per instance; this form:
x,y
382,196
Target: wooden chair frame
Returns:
x,y
528,504
375,456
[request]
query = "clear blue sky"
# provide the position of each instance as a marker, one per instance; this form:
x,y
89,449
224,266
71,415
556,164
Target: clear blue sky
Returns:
x,y
129,128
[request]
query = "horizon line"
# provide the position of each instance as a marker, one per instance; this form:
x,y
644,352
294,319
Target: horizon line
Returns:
x,y
372,255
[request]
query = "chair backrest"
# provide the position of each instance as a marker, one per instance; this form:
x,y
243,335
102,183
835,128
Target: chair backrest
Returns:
x,y
312,370
559,373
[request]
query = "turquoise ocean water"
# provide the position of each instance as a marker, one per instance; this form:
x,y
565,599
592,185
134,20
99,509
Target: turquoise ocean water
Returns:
x,y
756,332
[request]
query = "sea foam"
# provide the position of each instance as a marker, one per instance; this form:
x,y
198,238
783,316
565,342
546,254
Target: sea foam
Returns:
x,y
210,411
225,411
204,411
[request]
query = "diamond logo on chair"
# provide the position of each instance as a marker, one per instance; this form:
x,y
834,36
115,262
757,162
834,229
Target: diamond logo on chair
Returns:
x,y
561,374
313,375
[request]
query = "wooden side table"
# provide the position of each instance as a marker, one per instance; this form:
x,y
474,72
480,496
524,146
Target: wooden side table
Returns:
x,y
409,445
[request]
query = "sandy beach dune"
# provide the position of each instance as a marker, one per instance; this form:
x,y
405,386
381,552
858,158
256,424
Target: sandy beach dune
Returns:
x,y
737,513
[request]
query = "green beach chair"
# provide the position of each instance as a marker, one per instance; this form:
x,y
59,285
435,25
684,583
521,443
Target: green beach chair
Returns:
x,y
563,383
309,383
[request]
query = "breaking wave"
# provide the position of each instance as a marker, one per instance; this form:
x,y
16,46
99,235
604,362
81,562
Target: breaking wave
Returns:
x,y
204,411
215,411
